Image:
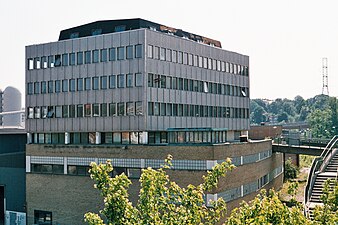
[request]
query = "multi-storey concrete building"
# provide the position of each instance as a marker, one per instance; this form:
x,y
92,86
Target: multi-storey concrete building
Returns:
x,y
134,91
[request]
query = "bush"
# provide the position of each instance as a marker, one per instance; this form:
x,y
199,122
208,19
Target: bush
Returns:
x,y
290,170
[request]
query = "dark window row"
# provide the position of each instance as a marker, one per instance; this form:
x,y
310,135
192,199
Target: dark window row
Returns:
x,y
85,84
117,138
86,110
178,83
185,58
86,57
173,109
82,170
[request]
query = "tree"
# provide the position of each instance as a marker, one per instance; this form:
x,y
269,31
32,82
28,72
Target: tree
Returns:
x,y
321,123
161,201
267,209
258,115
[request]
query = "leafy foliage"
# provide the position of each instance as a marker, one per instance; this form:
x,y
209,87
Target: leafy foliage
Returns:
x,y
321,112
291,170
161,201
328,213
267,209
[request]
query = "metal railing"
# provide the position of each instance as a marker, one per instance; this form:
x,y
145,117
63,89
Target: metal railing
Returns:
x,y
318,165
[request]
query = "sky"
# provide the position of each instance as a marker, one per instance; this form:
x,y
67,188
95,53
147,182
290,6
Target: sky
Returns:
x,y
285,39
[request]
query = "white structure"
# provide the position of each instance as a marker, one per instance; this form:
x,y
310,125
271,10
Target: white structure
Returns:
x,y
10,107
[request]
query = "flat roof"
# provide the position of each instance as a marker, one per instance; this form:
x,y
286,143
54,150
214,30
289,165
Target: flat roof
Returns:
x,y
113,26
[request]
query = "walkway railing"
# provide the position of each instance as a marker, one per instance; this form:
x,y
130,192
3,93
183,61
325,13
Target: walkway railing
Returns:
x,y
318,165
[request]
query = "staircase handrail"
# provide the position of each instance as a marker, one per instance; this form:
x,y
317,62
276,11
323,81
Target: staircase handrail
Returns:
x,y
326,153
316,167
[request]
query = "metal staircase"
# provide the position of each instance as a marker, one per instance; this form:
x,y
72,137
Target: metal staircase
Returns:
x,y
323,168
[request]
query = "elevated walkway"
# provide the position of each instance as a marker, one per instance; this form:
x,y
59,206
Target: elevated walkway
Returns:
x,y
297,149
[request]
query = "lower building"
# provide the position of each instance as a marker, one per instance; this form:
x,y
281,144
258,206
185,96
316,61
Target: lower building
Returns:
x,y
60,191
12,176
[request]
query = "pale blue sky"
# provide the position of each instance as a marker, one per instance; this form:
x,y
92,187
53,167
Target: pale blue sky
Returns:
x,y
286,40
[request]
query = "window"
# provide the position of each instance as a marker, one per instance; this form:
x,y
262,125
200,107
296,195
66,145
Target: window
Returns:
x,y
129,80
57,60
72,59
58,111
180,57
138,108
103,109
79,110
130,108
72,111
150,80
96,109
37,63
195,63
156,108
120,28
168,55
190,60
120,109
87,83
65,59
80,84
112,54
95,83
30,90
44,112
120,53
65,111
64,85
150,51
44,62
112,109
185,58
130,52
205,63
156,52
30,64
96,32
50,86
95,56
87,57
72,85
163,109
112,81
120,81
36,87
79,58
50,61
162,54
150,108
104,55
74,35
37,112
43,87
50,112
138,51
43,217
104,82
138,80
87,110
30,112
174,58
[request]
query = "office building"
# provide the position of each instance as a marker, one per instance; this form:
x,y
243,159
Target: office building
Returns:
x,y
10,106
134,91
